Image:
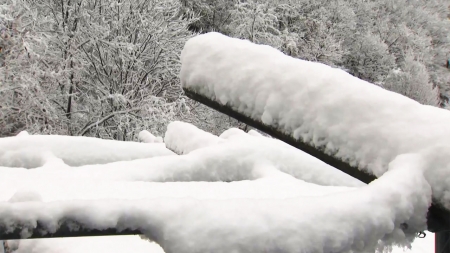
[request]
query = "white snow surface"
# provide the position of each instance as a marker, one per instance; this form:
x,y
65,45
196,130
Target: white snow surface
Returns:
x,y
289,159
183,137
147,137
326,107
269,202
334,222
32,151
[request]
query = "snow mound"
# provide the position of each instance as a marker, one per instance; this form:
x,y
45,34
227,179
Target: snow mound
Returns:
x,y
23,133
147,137
183,137
254,133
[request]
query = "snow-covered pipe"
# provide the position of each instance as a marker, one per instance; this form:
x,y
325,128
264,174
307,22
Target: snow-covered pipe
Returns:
x,y
347,122
31,151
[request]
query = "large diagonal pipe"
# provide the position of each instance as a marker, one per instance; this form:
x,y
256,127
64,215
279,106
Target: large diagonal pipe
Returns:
x,y
438,218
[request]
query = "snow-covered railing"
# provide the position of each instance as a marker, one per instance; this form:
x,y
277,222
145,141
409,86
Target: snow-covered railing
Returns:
x,y
438,217
31,151
276,133
350,124
234,192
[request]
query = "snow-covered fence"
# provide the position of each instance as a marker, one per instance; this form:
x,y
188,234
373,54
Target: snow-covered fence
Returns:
x,y
350,124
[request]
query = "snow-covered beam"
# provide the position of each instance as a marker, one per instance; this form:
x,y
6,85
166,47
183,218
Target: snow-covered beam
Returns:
x,y
276,133
346,122
438,218
32,151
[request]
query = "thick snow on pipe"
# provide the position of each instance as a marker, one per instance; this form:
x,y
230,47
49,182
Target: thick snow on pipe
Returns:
x,y
346,122
317,153
32,151
438,218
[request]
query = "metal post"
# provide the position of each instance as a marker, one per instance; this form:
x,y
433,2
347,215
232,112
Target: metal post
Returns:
x,y
442,242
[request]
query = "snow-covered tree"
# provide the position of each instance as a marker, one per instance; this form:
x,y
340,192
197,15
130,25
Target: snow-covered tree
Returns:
x,y
413,81
213,15
24,102
418,28
105,69
256,22
369,58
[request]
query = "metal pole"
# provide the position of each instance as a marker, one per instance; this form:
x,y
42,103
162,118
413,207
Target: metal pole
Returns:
x,y
67,228
442,242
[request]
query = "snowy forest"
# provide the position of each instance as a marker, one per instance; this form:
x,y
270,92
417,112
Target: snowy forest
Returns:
x,y
110,68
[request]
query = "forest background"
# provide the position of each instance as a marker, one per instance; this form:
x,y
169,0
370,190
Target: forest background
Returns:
x,y
109,69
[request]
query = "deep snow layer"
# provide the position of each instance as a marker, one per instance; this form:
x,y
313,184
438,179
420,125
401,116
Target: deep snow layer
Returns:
x,y
270,203
352,219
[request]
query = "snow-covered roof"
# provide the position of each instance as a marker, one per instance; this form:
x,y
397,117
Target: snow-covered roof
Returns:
x,y
241,192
